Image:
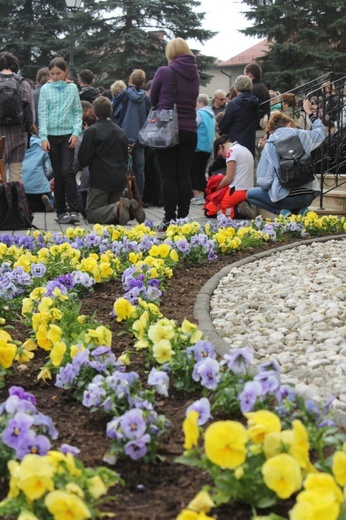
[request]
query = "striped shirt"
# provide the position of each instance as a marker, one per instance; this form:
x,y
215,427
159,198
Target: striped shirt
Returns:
x,y
59,110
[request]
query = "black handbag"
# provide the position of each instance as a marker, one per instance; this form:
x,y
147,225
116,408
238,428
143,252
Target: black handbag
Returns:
x,y
161,128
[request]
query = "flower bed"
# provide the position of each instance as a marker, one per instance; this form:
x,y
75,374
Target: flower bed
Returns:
x,y
47,276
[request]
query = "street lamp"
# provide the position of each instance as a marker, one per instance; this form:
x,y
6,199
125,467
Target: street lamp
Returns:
x,y
72,6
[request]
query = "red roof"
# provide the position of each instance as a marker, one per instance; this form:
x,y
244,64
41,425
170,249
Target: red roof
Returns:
x,y
256,51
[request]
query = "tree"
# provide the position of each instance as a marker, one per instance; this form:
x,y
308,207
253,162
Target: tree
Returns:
x,y
112,37
307,38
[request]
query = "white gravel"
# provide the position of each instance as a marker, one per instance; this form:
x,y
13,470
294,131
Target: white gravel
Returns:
x,y
291,306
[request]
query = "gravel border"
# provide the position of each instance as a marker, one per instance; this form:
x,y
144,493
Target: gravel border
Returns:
x,y
201,309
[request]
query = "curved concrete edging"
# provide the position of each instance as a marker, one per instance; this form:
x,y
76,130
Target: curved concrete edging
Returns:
x,y
201,310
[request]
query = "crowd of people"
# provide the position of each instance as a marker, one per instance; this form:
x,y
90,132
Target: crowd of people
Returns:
x,y
72,144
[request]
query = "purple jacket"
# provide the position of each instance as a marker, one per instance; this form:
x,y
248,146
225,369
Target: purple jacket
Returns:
x,y
162,95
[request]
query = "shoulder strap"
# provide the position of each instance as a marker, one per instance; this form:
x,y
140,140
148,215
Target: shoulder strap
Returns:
x,y
175,87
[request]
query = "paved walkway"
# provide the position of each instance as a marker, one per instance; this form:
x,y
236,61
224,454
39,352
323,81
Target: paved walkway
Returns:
x,y
47,222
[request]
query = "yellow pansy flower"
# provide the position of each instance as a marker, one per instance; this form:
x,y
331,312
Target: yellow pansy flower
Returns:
x,y
57,353
96,487
72,487
36,294
141,344
44,374
125,359
101,334
161,330
27,515
282,474
56,314
7,354
23,355
35,476
260,423
63,505
123,309
54,333
45,304
299,446
321,499
190,429
202,502
225,443
74,349
174,255
105,270
339,467
42,338
187,514
27,306
162,351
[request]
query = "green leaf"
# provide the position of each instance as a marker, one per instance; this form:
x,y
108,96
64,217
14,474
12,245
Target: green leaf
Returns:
x,y
266,502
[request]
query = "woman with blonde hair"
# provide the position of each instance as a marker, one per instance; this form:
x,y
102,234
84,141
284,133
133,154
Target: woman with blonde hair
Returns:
x,y
174,163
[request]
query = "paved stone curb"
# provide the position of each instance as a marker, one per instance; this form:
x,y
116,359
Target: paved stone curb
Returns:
x,y
201,309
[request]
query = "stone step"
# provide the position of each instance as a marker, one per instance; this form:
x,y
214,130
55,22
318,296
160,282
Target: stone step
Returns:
x,y
334,200
329,182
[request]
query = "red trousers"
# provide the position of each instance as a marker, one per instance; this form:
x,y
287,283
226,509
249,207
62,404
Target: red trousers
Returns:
x,y
228,202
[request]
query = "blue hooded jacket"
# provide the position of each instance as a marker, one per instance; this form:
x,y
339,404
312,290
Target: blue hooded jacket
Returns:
x,y
205,129
130,110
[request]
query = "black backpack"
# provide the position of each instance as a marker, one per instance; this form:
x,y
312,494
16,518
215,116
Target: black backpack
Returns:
x,y
11,102
14,208
296,166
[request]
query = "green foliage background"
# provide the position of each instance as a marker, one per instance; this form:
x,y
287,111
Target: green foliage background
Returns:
x,y
112,37
307,38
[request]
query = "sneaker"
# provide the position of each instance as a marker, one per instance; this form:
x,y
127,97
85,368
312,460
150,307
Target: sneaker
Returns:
x,y
74,218
136,211
197,201
47,204
303,211
123,211
162,226
286,213
64,218
246,210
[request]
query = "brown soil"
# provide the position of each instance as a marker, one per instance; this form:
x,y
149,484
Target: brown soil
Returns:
x,y
151,492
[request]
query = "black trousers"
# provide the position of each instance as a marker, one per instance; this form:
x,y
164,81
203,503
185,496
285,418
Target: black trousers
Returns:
x,y
198,169
65,186
174,165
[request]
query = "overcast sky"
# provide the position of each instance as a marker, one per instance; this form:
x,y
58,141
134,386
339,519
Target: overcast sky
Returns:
x,y
225,17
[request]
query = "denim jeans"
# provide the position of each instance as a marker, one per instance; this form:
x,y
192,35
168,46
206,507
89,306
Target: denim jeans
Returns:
x,y
138,167
65,186
260,198
174,166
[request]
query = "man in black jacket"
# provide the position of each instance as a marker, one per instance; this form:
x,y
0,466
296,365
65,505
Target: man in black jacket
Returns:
x,y
254,72
104,149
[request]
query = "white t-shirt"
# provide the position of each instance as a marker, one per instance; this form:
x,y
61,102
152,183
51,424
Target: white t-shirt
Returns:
x,y
244,166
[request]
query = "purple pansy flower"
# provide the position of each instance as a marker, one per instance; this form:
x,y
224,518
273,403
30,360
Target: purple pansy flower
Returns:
x,y
133,424
237,360
202,406
160,380
136,449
